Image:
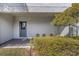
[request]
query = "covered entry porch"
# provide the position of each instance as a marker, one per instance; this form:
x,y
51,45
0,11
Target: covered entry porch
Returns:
x,y
22,21
11,30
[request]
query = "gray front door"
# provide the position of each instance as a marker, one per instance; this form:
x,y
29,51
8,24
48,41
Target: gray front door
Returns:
x,y
22,28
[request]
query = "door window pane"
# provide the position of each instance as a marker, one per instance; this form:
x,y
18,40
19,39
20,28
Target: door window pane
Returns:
x,y
23,25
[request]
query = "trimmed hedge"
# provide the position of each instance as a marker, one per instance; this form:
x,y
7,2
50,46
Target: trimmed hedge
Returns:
x,y
56,46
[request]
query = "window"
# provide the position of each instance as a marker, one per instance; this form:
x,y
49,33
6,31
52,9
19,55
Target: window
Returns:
x,y
23,25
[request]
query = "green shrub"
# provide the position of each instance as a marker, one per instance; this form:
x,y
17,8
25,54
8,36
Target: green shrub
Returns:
x,y
56,46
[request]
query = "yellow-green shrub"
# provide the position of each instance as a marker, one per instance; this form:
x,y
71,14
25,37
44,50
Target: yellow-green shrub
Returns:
x,y
56,46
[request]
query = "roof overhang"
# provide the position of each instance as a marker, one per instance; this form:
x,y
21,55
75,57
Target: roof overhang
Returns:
x,y
33,7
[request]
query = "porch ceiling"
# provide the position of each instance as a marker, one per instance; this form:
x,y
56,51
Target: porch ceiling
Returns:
x,y
47,7
33,7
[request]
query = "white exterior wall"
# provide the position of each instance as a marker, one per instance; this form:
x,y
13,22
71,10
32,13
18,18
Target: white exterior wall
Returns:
x,y
6,32
63,30
35,25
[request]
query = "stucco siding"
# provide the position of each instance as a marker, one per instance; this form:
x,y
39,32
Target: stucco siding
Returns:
x,y
35,25
6,24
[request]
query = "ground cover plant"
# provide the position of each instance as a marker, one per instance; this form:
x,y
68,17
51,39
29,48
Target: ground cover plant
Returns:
x,y
13,52
56,46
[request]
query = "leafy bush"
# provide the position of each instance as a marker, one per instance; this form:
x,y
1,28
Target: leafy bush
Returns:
x,y
56,46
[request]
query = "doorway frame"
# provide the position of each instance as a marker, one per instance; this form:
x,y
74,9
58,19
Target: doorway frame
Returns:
x,y
20,29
